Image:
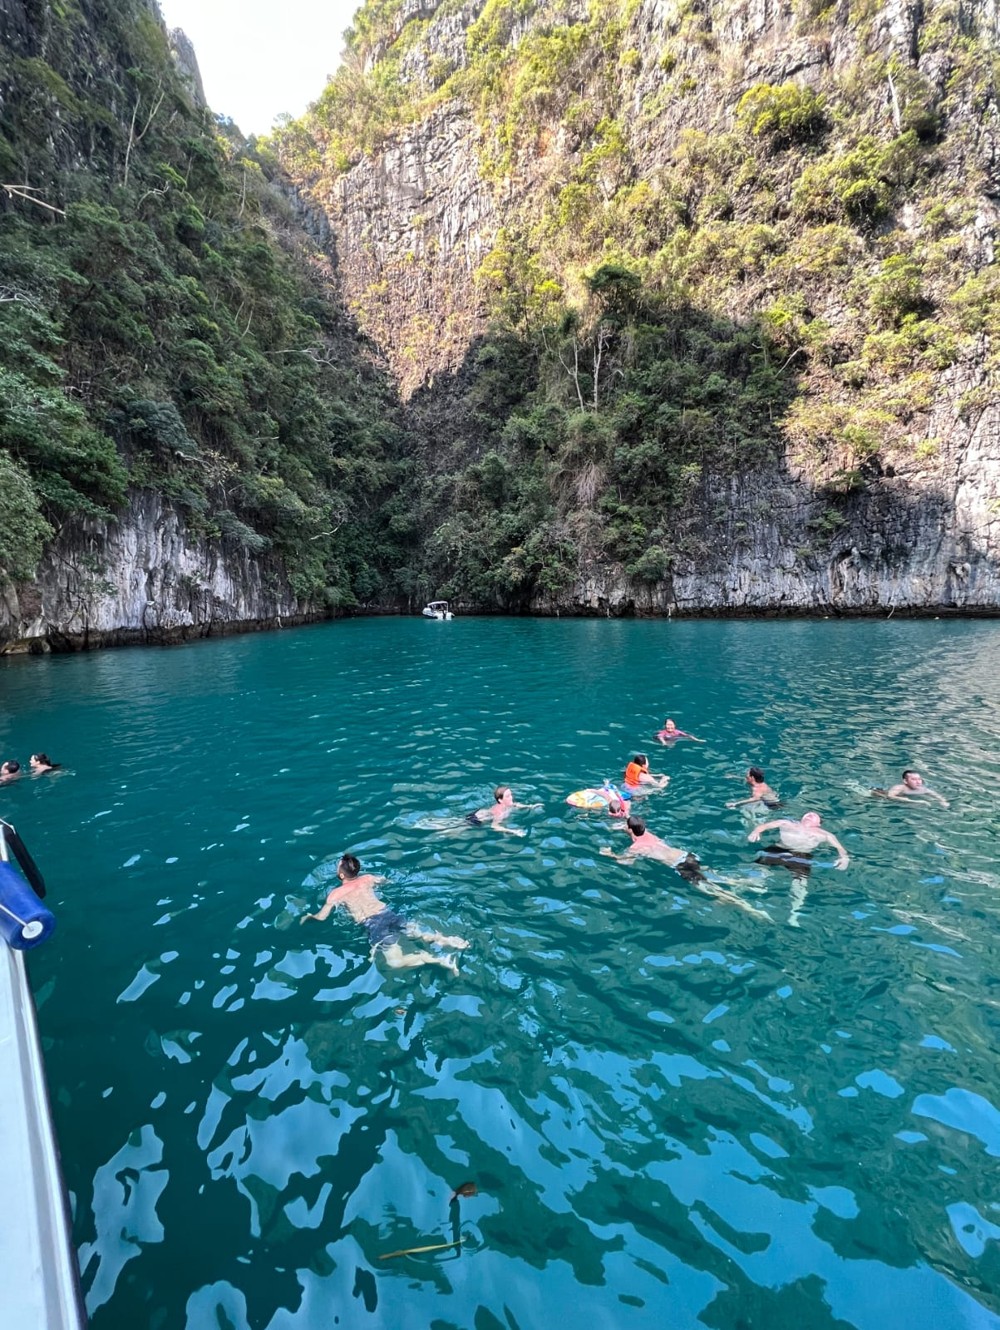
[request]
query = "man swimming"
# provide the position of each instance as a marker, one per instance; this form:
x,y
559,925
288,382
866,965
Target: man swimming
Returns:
x,y
760,791
503,806
10,770
796,842
384,928
643,842
670,732
911,788
637,775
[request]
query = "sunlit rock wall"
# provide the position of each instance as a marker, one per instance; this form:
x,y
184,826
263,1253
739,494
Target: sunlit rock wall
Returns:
x,y
143,578
410,225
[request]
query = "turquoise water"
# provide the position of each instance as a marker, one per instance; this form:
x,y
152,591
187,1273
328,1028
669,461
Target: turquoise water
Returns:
x,y
676,1114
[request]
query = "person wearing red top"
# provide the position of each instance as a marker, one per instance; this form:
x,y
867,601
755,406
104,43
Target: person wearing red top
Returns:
x,y
670,732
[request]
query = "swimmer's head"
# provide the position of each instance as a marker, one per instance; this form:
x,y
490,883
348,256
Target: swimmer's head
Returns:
x,y
39,760
500,791
616,807
913,779
668,724
349,866
641,760
810,819
636,826
10,768
756,774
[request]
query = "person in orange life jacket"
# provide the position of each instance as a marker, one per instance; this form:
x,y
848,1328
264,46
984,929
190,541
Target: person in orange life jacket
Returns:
x,y
638,774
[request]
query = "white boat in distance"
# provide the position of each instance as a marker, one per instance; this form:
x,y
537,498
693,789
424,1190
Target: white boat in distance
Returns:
x,y
437,609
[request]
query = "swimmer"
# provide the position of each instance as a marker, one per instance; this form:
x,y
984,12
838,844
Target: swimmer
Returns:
x,y
39,764
670,732
796,842
608,798
760,791
638,774
10,771
643,842
910,788
503,806
384,927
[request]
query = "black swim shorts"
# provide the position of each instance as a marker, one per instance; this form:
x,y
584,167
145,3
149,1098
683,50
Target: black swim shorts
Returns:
x,y
385,928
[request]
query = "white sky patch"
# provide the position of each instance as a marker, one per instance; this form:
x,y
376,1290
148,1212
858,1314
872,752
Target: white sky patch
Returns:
x,y
261,58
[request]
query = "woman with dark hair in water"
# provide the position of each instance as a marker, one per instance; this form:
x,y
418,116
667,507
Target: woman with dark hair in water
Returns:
x,y
40,764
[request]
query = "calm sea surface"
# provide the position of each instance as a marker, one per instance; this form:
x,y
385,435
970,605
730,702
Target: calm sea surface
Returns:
x,y
676,1113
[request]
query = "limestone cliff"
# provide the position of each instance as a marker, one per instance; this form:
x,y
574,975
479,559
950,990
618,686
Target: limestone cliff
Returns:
x,y
143,578
788,168
187,418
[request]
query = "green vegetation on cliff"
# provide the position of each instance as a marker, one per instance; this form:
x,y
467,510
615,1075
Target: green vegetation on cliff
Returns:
x,y
160,324
694,269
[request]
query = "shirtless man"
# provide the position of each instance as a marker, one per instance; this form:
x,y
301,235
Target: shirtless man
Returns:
x,y
681,861
638,774
670,732
384,928
796,842
760,791
912,787
10,771
503,806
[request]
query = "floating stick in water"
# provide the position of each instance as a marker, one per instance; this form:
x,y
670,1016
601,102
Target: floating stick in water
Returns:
x,y
412,1251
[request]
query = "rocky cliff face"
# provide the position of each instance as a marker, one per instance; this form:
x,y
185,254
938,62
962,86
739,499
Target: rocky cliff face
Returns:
x,y
143,578
192,435
847,242
917,525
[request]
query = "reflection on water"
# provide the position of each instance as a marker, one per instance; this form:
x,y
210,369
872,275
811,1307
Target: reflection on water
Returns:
x,y
675,1113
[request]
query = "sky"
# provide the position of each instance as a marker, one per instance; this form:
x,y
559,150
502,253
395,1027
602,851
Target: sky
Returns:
x,y
260,58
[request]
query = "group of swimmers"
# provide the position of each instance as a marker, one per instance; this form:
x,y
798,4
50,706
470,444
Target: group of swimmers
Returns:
x,y
38,763
795,841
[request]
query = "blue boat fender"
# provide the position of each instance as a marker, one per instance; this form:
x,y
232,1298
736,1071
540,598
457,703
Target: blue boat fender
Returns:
x,y
24,920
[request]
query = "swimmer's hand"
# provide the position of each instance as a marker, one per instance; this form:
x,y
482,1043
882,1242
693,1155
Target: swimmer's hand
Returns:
x,y
307,916
755,834
606,849
842,862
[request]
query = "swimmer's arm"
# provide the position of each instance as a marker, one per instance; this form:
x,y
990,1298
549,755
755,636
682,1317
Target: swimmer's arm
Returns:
x,y
934,795
332,901
843,858
626,858
759,830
